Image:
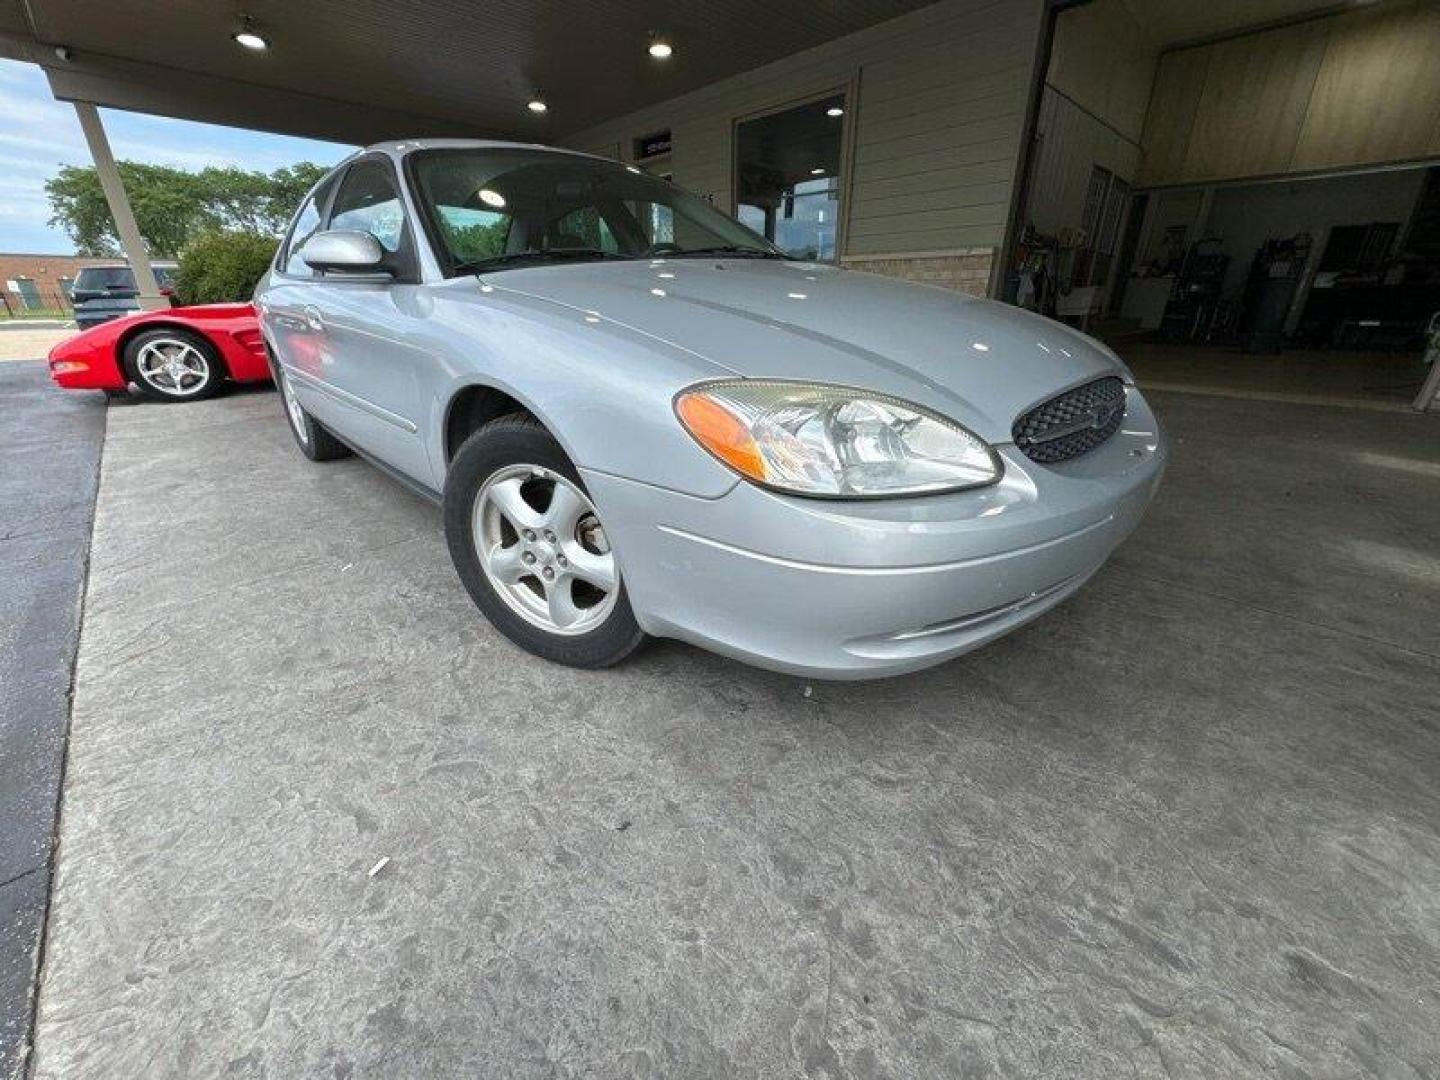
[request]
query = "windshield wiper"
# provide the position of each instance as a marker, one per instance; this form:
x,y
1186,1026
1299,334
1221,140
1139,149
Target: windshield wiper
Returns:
x,y
728,250
496,262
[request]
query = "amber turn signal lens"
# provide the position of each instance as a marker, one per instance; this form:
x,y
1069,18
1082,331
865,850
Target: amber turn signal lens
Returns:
x,y
722,433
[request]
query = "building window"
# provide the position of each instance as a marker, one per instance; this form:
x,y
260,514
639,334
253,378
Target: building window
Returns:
x,y
788,182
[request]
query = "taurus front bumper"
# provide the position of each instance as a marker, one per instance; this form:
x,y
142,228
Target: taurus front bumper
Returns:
x,y
866,589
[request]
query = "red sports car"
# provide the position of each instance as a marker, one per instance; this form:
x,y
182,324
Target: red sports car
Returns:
x,y
178,354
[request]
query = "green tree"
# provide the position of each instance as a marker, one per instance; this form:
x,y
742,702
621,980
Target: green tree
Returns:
x,y
172,206
168,205
216,267
288,187
476,241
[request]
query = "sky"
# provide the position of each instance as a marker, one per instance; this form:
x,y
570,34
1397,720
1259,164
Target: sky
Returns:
x,y
39,134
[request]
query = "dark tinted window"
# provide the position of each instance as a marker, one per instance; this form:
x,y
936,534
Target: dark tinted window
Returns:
x,y
369,202
97,278
118,280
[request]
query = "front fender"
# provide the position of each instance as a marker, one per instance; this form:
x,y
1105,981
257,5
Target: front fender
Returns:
x,y
603,390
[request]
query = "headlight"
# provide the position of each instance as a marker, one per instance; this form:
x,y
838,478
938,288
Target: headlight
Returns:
x,y
833,441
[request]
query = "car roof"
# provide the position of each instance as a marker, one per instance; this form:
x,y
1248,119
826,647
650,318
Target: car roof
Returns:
x,y
400,147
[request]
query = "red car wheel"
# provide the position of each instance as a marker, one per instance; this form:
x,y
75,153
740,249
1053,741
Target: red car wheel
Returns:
x,y
173,365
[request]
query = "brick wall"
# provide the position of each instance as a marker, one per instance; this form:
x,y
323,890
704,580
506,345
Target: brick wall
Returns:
x,y
47,270
965,271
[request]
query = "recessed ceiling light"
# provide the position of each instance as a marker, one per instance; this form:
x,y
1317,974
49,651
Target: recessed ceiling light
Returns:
x,y
248,36
535,105
492,198
834,110
661,50
817,172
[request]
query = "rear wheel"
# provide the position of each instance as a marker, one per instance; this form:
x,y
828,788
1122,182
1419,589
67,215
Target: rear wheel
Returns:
x,y
314,441
531,549
173,365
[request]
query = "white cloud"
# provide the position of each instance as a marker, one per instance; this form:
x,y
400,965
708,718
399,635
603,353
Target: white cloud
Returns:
x,y
39,134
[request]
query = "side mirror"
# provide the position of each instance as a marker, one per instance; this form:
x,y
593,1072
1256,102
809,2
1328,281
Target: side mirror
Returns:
x,y
345,250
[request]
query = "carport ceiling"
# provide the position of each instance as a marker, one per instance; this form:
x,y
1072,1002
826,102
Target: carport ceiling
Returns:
x,y
417,67
1178,22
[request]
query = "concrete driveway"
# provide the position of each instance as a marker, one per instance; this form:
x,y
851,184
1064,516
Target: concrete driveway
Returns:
x,y
1187,825
20,341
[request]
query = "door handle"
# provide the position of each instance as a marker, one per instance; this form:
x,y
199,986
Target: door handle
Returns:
x,y
313,319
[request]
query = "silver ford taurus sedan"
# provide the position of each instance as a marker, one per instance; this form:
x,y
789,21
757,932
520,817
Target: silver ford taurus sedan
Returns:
x,y
640,418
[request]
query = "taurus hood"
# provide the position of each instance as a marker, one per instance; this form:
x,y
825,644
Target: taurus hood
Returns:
x,y
979,362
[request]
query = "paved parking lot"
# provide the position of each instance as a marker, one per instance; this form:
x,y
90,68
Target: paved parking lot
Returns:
x,y
49,464
1187,825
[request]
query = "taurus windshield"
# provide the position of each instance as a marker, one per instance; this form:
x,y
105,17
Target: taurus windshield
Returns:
x,y
493,209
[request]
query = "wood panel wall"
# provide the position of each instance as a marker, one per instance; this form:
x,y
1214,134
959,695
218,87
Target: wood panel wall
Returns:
x,y
1104,61
937,117
1357,88
1071,142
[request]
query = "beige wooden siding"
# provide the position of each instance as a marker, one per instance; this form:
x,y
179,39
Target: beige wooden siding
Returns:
x,y
1377,97
937,108
1253,101
1071,143
1357,88
1104,61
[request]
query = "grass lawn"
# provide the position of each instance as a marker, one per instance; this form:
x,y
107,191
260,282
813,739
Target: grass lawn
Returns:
x,y
36,313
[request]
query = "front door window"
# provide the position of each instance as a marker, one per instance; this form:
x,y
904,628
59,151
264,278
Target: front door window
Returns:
x,y
368,202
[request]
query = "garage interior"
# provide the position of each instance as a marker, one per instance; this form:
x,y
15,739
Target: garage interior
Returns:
x,y
319,819
1243,198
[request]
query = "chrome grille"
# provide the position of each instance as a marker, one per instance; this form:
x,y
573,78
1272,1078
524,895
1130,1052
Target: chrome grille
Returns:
x,y
1073,423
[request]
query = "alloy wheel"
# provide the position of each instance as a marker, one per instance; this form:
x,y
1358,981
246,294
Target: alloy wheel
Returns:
x,y
172,367
544,551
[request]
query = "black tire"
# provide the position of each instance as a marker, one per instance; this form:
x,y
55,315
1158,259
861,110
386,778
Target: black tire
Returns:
x,y
513,440
314,441
144,349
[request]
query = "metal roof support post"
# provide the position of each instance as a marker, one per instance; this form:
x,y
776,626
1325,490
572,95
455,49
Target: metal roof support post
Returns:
x,y
139,259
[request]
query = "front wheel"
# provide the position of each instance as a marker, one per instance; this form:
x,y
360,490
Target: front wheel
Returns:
x,y
173,365
531,549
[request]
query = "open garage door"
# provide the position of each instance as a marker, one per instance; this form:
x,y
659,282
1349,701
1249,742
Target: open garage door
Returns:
x,y
1244,197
